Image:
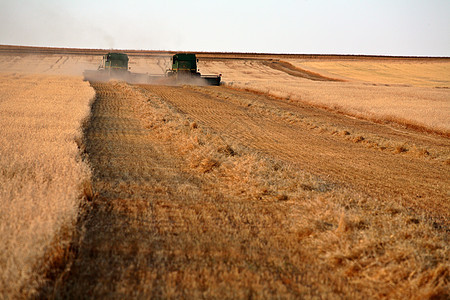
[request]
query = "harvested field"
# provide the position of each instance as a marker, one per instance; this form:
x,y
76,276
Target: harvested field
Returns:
x,y
417,102
187,206
325,144
262,188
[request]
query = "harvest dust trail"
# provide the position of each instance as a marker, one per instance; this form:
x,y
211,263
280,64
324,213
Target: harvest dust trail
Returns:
x,y
413,182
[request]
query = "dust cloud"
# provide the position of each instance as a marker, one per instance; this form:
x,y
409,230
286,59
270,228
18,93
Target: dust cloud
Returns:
x,y
142,78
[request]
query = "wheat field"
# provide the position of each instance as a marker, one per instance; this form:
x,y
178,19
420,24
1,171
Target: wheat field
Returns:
x,y
298,178
41,173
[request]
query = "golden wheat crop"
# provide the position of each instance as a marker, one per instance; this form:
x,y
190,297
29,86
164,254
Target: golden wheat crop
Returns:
x,y
41,172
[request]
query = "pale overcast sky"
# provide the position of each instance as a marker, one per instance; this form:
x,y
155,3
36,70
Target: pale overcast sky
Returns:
x,y
380,27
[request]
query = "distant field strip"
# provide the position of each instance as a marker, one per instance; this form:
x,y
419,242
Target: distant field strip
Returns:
x,y
426,73
41,173
296,71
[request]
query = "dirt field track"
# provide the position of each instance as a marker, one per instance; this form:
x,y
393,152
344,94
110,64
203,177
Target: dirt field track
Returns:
x,y
263,187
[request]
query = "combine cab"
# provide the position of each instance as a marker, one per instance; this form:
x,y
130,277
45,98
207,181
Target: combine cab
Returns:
x,y
114,62
184,68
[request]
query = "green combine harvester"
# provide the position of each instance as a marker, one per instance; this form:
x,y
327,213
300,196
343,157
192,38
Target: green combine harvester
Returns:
x,y
183,71
112,66
184,66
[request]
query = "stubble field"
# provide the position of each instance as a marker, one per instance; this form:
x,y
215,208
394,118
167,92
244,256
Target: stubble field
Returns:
x,y
300,178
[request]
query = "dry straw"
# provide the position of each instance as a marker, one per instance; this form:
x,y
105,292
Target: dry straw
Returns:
x,y
41,173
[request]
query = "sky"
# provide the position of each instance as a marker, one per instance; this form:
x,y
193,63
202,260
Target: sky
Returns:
x,y
372,27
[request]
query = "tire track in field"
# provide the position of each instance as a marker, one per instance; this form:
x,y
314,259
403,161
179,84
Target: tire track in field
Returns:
x,y
57,64
413,182
292,70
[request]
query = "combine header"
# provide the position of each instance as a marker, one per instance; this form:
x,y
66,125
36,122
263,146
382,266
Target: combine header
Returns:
x,y
184,71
